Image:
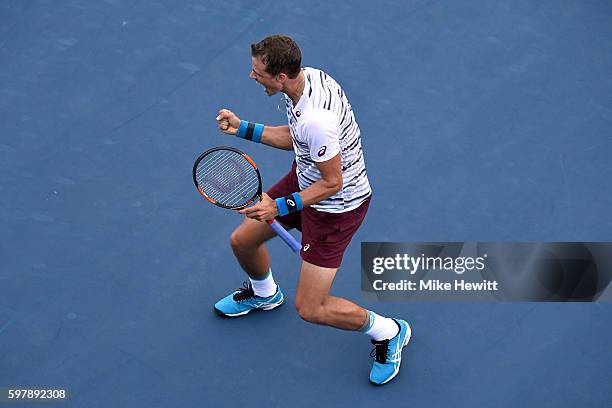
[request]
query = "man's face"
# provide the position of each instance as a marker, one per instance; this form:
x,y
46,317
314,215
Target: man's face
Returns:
x,y
271,84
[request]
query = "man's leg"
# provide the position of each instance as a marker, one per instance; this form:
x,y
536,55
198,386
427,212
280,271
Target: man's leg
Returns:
x,y
247,242
315,305
261,292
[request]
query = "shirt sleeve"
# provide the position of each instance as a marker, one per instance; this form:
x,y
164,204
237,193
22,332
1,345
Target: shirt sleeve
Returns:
x,y
322,133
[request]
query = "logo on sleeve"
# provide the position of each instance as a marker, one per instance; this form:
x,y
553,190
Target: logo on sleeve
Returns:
x,y
322,151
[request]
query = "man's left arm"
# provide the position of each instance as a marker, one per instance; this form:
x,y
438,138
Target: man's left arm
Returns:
x,y
329,184
321,131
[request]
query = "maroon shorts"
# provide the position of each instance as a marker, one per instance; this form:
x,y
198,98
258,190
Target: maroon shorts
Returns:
x,y
325,236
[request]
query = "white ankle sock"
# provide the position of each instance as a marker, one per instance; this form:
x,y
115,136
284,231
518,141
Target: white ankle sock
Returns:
x,y
264,287
380,328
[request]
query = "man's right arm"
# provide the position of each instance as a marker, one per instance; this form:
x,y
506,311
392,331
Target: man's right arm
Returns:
x,y
275,136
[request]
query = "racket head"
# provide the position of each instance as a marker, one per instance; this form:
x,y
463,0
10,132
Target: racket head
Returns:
x,y
227,177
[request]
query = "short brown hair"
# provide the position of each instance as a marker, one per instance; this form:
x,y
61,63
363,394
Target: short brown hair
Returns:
x,y
280,54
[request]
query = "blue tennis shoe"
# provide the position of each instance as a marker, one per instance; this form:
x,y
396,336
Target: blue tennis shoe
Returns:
x,y
244,300
388,354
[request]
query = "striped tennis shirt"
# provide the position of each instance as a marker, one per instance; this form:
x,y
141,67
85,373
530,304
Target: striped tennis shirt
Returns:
x,y
322,125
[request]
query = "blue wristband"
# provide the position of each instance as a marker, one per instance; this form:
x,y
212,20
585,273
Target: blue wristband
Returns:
x,y
250,131
289,204
242,129
298,202
257,132
281,205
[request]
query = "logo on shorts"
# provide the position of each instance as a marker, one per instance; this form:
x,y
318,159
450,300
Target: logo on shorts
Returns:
x,y
306,247
322,151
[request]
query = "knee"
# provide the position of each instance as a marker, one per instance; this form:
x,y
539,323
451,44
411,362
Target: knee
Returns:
x,y
310,313
238,242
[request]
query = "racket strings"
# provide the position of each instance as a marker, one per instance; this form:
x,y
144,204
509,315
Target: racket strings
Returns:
x,y
228,178
232,180
223,175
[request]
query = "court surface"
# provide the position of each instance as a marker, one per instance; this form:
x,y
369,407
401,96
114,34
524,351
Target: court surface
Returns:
x,y
481,121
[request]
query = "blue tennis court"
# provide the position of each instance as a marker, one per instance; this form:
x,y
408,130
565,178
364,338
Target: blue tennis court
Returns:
x,y
480,121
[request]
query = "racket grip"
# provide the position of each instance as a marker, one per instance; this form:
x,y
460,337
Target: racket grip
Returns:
x,y
288,238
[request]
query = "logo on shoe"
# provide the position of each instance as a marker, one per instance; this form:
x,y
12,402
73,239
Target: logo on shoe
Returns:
x,y
306,247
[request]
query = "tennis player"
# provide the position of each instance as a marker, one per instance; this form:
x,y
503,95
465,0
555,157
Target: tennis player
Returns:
x,y
325,195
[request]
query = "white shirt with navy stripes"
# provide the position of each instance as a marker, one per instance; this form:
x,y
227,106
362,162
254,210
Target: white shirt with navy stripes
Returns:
x,y
322,124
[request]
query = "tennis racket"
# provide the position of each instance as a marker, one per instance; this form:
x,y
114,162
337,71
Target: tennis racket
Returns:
x,y
227,177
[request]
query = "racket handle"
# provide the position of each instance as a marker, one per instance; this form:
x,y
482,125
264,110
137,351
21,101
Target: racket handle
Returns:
x,y
288,238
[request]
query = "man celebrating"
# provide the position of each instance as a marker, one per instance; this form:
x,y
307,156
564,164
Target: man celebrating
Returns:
x,y
325,196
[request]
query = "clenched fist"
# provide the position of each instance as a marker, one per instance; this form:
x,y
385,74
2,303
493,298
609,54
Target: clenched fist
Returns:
x,y
228,122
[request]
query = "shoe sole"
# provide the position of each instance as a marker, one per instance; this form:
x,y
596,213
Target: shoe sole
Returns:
x,y
406,340
262,309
